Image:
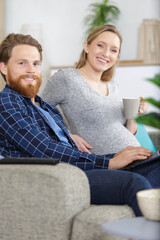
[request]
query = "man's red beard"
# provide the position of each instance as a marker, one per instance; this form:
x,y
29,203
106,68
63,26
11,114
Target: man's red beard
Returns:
x,y
29,90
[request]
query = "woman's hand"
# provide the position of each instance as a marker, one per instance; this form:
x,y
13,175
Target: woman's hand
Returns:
x,y
82,145
143,107
127,156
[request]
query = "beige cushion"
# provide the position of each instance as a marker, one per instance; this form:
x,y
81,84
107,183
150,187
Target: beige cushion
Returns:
x,y
38,202
87,224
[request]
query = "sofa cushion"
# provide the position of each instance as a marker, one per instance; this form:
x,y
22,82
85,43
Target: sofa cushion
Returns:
x,y
39,202
88,224
155,136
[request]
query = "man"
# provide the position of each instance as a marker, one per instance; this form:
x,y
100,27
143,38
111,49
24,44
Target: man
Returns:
x,y
29,127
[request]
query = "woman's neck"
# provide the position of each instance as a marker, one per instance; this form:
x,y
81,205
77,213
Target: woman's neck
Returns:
x,y
90,74
93,79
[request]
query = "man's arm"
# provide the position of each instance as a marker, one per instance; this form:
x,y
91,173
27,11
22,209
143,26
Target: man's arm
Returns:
x,y
24,135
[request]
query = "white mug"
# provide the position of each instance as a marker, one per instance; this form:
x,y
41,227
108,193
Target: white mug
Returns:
x,y
131,106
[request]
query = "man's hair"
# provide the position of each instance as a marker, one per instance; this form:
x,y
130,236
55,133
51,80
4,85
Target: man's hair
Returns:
x,y
108,74
13,40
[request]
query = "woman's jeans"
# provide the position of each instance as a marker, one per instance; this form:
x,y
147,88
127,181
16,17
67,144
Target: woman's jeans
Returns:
x,y
120,186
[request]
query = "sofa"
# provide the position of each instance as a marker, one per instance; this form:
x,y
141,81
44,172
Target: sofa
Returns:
x,y
155,137
52,202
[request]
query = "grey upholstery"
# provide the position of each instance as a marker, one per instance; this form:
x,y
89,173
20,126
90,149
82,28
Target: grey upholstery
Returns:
x,y
155,136
87,224
51,202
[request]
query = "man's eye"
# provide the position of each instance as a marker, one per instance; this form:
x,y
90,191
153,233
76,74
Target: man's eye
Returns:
x,y
21,63
37,64
113,50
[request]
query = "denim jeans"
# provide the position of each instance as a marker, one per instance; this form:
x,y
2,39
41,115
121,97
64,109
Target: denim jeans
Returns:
x,y
119,187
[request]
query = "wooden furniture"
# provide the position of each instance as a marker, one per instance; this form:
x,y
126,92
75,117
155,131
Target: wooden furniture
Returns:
x,y
2,32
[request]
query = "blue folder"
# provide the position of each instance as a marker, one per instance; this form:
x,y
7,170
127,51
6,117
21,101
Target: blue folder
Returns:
x,y
144,138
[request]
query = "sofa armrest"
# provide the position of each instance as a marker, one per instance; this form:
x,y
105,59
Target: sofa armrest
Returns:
x,y
155,136
40,201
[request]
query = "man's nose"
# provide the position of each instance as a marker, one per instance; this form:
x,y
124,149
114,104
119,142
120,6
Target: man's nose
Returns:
x,y
30,68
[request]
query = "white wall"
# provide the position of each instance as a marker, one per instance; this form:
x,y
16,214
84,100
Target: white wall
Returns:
x,y
62,36
62,25
132,15
132,81
63,28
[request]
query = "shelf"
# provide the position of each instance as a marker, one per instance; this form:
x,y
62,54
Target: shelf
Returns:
x,y
135,63
121,63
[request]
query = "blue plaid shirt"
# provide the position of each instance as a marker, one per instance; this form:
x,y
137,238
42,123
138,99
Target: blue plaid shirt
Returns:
x,y
25,132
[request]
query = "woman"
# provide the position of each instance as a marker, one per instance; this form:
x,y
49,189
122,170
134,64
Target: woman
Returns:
x,y
89,99
94,111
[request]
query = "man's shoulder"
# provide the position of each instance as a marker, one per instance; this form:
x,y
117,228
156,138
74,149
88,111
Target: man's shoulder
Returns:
x,y
10,99
8,92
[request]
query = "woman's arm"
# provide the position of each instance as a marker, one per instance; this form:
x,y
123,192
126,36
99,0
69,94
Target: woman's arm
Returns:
x,y
131,125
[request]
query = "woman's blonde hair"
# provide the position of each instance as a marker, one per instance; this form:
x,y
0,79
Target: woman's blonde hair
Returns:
x,y
108,74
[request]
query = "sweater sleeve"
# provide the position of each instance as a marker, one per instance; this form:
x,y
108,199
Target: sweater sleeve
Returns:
x,y
55,91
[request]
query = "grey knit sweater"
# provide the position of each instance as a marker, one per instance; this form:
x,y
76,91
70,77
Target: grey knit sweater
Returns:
x,y
96,118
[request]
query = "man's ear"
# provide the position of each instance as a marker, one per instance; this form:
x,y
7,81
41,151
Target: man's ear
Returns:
x,y
3,68
86,46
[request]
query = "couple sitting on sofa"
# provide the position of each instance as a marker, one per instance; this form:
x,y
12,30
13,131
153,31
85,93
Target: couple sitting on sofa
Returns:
x,y
30,127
